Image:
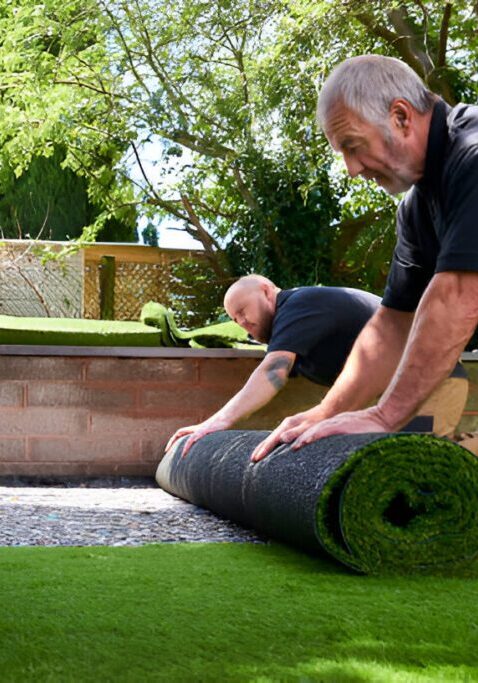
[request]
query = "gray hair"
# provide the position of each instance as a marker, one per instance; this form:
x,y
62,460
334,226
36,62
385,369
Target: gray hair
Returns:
x,y
368,84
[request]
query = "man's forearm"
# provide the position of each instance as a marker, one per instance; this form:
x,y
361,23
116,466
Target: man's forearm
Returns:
x,y
445,320
370,365
265,382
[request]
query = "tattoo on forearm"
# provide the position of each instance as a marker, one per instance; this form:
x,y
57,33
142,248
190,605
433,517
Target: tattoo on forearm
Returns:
x,y
275,372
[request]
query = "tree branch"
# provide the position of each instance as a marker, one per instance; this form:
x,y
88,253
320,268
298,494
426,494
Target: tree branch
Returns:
x,y
125,47
245,193
204,146
412,44
213,252
400,41
443,40
82,84
143,172
206,239
169,206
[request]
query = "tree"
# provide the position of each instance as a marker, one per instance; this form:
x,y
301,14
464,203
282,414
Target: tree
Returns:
x,y
50,202
223,95
437,39
113,79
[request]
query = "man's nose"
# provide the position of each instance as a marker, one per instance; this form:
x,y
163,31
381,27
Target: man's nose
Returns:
x,y
354,166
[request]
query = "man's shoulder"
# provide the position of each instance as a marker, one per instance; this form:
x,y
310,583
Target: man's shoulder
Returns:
x,y
298,293
463,119
407,205
296,297
301,298
462,123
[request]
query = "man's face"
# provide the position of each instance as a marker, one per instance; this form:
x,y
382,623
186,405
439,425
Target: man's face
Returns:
x,y
253,312
372,152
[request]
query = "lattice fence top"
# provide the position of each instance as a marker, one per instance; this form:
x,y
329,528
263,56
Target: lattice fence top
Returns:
x,y
30,288
71,287
135,284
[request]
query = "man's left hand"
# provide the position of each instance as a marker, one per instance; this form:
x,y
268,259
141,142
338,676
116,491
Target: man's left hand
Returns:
x,y
357,422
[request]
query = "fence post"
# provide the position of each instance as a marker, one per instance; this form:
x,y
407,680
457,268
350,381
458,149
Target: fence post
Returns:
x,y
107,270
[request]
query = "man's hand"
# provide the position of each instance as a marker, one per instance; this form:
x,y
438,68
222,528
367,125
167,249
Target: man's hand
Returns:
x,y
357,422
197,432
307,427
288,430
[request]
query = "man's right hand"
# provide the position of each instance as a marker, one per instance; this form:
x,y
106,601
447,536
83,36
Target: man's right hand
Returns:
x,y
197,432
288,430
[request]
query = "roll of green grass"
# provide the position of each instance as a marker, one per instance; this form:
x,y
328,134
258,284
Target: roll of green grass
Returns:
x,y
220,335
393,503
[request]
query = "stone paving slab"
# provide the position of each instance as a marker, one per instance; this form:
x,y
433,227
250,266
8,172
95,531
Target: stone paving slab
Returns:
x,y
105,512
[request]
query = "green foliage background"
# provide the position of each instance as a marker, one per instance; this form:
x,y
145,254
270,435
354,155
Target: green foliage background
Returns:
x,y
204,112
51,202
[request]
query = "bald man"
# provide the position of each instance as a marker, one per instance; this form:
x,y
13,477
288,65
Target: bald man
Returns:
x,y
309,331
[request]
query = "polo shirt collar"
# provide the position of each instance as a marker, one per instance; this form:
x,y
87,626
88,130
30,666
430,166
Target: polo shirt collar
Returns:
x,y
436,145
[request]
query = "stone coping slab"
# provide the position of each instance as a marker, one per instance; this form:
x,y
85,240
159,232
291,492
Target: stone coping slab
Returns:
x,y
146,352
126,351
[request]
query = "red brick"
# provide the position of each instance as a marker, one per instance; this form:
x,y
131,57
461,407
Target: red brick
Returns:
x,y
126,469
153,451
73,394
41,367
143,370
32,421
12,449
231,372
73,450
185,399
134,426
11,394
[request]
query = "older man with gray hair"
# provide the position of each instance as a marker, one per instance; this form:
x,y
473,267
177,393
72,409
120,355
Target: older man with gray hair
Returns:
x,y
390,128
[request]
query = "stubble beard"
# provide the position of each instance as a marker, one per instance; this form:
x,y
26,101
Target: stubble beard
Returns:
x,y
402,176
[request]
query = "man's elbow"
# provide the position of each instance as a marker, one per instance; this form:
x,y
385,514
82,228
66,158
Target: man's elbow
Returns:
x,y
457,292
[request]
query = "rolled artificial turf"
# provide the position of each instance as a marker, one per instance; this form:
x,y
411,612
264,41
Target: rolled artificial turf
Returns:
x,y
226,335
394,503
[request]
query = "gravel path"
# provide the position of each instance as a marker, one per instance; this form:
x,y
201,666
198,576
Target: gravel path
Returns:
x,y
118,512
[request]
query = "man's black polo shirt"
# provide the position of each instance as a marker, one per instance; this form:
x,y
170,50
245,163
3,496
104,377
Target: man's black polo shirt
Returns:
x,y
437,221
320,325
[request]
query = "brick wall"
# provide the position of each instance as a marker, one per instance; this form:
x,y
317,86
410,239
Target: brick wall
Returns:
x,y
113,416
89,416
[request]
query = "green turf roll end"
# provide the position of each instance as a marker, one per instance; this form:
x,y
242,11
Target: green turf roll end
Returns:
x,y
405,502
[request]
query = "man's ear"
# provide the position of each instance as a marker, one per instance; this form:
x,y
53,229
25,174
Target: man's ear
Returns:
x,y
269,292
401,115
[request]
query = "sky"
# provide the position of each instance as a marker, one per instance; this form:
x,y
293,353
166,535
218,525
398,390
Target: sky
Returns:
x,y
171,234
169,237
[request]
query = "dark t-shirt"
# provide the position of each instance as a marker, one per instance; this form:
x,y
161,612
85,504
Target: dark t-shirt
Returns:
x,y
320,325
437,221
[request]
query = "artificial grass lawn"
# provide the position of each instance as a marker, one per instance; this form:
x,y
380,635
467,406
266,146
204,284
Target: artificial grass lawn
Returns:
x,y
76,332
226,612
157,328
